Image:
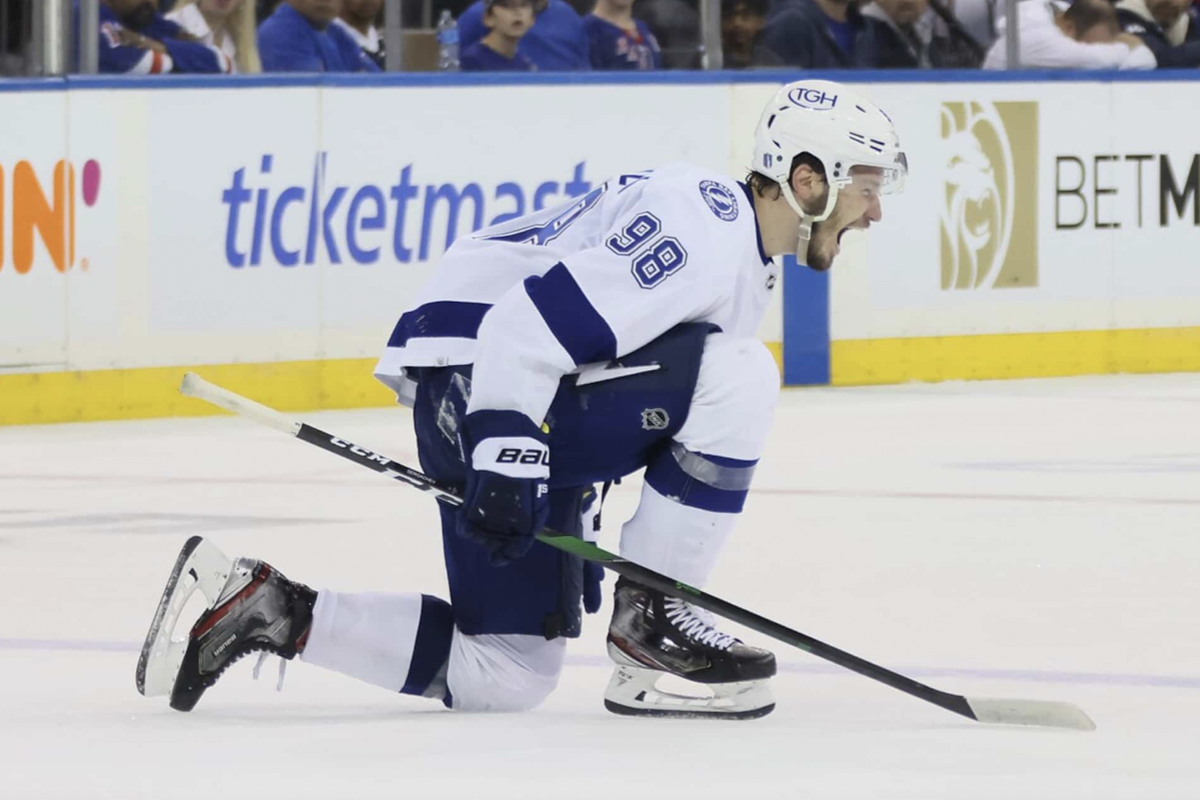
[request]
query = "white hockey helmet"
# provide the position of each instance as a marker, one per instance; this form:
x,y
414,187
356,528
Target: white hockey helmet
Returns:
x,y
840,128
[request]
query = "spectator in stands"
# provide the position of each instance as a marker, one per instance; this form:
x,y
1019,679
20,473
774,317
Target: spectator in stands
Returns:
x,y
136,40
1084,36
676,26
980,18
1165,27
266,8
906,33
557,42
227,25
912,36
741,21
817,34
300,37
618,41
13,18
507,21
358,21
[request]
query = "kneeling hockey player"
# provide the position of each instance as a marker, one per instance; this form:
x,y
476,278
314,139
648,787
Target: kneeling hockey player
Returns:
x,y
550,353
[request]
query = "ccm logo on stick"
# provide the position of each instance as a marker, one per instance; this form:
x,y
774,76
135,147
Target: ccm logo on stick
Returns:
x,y
358,451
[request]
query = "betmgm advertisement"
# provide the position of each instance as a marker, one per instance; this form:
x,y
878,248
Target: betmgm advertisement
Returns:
x,y
1046,229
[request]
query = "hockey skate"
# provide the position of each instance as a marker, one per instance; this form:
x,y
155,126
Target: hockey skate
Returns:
x,y
251,607
652,635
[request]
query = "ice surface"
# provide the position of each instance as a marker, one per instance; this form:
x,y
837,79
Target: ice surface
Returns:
x,y
1032,539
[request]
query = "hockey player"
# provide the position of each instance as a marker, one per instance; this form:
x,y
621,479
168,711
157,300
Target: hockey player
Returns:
x,y
565,348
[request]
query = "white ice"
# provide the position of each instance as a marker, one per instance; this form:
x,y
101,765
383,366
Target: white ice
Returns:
x,y
1032,539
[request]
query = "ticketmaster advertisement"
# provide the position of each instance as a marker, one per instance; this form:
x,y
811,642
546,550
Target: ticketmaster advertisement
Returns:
x,y
322,220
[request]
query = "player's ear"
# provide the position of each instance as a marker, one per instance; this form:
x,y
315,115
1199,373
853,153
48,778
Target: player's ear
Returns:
x,y
806,182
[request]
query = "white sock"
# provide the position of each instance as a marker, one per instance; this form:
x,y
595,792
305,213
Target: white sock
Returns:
x,y
366,636
674,539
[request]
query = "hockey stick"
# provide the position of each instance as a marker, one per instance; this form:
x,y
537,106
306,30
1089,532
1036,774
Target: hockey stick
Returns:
x,y
1045,713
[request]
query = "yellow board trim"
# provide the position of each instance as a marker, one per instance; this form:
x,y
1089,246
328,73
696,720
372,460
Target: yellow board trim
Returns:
x,y
857,362
47,397
43,397
776,349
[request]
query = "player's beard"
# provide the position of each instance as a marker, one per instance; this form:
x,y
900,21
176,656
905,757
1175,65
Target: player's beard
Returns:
x,y
822,246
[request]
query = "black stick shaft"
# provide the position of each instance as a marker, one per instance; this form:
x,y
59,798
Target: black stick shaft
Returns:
x,y
648,577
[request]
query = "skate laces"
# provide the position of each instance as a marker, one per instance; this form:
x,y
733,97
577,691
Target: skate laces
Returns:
x,y
696,624
262,657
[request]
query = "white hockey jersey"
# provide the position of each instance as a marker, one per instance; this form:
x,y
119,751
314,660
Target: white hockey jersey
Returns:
x,y
532,299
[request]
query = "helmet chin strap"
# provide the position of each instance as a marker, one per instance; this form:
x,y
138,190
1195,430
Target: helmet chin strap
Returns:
x,y
807,220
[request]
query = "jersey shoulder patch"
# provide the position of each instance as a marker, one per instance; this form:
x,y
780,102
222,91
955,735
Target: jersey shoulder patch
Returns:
x,y
720,200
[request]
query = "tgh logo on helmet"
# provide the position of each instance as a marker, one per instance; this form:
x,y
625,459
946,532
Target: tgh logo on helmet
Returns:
x,y
816,99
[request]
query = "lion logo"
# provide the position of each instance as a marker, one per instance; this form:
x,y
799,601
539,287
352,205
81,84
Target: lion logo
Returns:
x,y
989,211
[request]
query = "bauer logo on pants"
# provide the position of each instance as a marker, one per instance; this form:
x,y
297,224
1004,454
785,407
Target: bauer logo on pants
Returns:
x,y
989,206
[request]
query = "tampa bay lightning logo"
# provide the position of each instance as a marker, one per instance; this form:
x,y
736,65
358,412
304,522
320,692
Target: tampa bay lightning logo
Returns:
x,y
720,199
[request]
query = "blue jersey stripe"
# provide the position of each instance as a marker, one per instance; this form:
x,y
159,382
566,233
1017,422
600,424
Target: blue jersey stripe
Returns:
x,y
762,253
668,478
448,318
432,647
731,474
571,317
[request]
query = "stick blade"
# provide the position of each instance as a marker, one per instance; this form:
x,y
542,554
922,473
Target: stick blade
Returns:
x,y
1042,713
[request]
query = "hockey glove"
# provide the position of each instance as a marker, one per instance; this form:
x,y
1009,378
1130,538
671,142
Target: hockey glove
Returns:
x,y
507,498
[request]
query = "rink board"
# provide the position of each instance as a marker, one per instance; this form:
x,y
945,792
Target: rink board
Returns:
x,y
1046,229
1042,231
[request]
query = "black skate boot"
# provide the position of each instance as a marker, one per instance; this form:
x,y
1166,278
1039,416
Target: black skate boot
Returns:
x,y
652,635
255,608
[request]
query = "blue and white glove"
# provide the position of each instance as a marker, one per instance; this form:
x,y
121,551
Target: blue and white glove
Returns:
x,y
507,498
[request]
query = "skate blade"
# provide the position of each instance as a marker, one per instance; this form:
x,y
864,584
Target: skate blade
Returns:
x,y
632,692
200,567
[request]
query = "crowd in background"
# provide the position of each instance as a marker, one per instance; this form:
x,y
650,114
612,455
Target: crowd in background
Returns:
x,y
249,36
